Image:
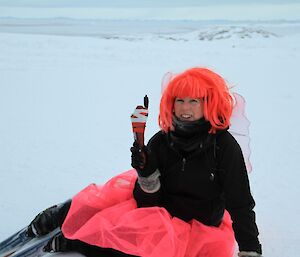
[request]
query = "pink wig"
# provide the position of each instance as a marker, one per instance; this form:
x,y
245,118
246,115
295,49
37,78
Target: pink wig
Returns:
x,y
199,83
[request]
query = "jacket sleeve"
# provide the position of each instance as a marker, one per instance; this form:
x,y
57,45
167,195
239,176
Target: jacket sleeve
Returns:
x,y
238,199
143,198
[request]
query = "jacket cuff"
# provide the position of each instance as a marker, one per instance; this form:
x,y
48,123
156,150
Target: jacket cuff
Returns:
x,y
150,184
248,254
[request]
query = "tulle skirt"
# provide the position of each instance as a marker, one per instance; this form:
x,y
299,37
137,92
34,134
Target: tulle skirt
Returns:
x,y
107,216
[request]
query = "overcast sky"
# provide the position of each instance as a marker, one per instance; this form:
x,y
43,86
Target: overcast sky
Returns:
x,y
154,9
134,3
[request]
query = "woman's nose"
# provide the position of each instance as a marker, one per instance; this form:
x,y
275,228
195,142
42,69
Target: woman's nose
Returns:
x,y
186,106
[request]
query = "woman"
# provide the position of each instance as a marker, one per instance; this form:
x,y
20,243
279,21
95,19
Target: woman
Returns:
x,y
189,177
195,167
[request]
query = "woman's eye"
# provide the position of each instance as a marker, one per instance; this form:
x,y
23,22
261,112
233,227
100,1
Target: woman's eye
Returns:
x,y
179,100
194,101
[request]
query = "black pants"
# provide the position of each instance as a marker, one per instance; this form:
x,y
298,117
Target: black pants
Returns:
x,y
95,251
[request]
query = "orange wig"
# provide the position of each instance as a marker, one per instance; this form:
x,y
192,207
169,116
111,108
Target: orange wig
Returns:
x,y
199,83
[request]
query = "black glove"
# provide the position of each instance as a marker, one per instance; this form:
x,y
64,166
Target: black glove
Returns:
x,y
143,160
49,219
58,244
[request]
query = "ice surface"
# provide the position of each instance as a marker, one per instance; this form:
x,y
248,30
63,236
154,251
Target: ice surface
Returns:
x,y
67,92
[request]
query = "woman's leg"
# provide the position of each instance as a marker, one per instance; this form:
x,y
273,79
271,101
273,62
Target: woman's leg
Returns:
x,y
62,244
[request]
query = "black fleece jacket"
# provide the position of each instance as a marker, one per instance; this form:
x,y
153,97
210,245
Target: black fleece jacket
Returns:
x,y
202,183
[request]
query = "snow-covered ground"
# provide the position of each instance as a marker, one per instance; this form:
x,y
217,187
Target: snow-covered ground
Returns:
x,y
67,91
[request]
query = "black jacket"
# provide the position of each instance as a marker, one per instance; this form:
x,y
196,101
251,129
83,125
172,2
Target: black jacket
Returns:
x,y
202,183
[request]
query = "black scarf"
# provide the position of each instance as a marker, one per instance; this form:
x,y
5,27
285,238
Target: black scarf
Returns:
x,y
188,136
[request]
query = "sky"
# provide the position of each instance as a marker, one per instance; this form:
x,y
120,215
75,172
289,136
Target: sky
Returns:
x,y
137,3
156,9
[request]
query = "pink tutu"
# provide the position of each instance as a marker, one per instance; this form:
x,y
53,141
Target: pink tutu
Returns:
x,y
107,216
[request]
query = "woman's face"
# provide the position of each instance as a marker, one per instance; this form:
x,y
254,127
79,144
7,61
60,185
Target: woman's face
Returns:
x,y
188,109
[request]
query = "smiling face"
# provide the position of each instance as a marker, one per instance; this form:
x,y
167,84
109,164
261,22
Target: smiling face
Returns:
x,y
188,109
210,95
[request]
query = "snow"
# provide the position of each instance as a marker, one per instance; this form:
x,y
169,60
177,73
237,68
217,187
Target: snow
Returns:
x,y
68,88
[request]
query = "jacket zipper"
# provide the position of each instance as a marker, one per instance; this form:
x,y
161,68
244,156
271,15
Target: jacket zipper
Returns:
x,y
183,164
